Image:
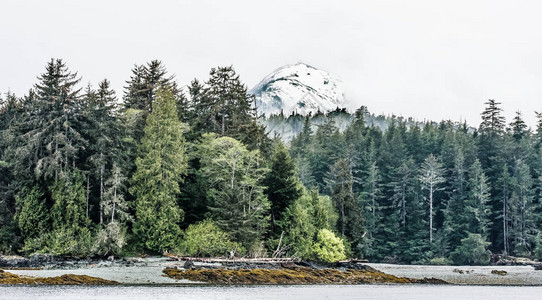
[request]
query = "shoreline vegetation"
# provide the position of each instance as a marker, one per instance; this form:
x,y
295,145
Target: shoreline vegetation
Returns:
x,y
194,172
67,279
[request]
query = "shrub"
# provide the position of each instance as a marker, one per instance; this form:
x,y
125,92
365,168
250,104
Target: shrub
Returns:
x,y
206,239
471,251
110,240
328,247
61,242
435,261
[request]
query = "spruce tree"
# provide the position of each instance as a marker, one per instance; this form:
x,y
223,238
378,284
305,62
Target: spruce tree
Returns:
x,y
477,212
106,135
32,214
350,223
492,156
9,111
455,227
141,89
161,164
46,141
282,184
370,197
522,210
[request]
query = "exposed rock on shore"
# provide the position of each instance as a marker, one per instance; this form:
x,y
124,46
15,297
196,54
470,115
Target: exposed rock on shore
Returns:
x,y
42,261
67,279
291,276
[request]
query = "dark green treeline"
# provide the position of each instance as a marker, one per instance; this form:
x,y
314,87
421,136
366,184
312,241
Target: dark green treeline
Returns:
x,y
192,171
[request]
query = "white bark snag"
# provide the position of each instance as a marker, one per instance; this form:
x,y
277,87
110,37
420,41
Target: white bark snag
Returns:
x,y
431,176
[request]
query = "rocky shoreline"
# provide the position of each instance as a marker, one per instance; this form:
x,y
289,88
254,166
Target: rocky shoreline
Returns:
x,y
67,279
170,270
301,272
41,261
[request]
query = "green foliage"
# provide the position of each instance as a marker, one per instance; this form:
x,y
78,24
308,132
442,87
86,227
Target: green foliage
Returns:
x,y
476,215
223,106
155,184
235,192
298,225
70,234
350,223
69,203
45,140
472,251
142,90
32,216
63,241
328,247
65,157
282,185
205,238
436,261
302,220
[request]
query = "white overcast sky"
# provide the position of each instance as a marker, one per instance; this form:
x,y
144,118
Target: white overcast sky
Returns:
x,y
425,59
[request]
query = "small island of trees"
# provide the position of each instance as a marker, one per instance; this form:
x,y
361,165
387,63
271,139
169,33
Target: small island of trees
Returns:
x,y
193,171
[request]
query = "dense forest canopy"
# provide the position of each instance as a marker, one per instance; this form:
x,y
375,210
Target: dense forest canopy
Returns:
x,y
193,171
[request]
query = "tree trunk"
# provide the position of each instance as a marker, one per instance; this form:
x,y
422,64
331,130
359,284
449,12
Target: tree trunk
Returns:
x,y
342,218
431,214
101,189
505,229
88,192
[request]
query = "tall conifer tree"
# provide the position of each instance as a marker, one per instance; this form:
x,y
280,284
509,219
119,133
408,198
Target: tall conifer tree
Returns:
x,y
161,164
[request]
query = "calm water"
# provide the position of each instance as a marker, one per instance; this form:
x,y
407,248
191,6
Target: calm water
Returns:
x,y
403,292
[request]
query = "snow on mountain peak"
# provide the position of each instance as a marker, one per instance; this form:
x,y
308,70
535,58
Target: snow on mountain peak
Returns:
x,y
300,88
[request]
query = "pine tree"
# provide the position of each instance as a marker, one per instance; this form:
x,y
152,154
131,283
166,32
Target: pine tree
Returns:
x,y
492,155
538,131
455,227
282,186
114,204
69,203
350,223
477,213
521,210
505,187
9,111
140,92
106,135
46,140
328,147
70,234
518,127
32,214
431,177
161,164
111,236
370,197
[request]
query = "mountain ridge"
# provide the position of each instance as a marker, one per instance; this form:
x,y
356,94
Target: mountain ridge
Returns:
x,y
298,88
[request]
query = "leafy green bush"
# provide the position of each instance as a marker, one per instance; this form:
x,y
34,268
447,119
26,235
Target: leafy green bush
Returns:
x,y
472,251
328,247
206,239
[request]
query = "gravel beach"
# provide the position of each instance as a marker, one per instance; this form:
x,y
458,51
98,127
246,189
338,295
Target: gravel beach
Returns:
x,y
149,271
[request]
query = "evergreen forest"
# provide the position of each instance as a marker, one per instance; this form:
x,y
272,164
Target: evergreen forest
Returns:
x,y
192,170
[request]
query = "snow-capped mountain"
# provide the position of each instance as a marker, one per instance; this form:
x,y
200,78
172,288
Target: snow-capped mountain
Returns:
x,y
300,88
